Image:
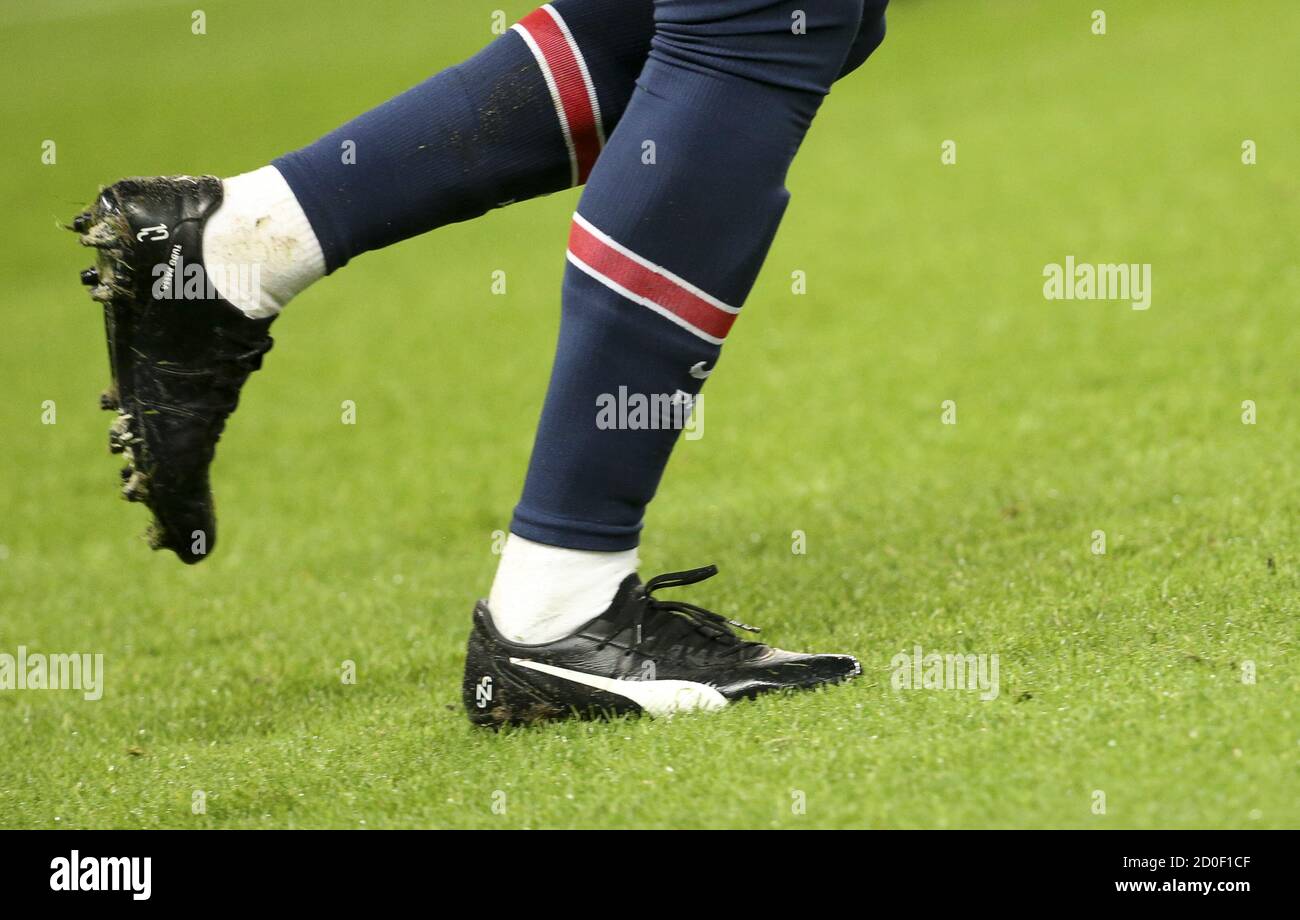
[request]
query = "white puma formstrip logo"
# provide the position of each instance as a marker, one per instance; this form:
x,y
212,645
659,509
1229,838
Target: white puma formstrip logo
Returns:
x,y
656,697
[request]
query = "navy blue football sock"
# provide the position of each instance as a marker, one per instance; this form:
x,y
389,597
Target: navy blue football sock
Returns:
x,y
526,116
670,233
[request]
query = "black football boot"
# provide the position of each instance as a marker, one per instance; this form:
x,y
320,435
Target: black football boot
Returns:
x,y
178,352
643,654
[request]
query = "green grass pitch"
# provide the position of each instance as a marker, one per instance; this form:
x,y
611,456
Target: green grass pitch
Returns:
x,y
1124,674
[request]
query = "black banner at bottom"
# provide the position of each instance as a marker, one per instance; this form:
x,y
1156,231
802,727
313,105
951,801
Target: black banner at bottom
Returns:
x,y
1218,870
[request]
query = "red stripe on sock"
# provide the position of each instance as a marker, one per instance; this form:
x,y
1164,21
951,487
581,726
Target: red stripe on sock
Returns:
x,y
649,284
578,108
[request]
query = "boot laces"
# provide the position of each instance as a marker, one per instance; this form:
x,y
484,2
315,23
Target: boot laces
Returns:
x,y
672,622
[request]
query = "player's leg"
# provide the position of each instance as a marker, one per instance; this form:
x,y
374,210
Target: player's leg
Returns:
x,y
668,239
508,123
525,116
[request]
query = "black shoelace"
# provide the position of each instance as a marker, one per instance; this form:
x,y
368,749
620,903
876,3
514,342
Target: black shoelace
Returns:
x,y
671,622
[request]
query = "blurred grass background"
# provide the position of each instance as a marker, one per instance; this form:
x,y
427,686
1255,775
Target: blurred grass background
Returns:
x,y
1120,673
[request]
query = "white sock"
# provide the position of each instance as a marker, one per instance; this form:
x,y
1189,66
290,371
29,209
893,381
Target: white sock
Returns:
x,y
258,246
543,593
